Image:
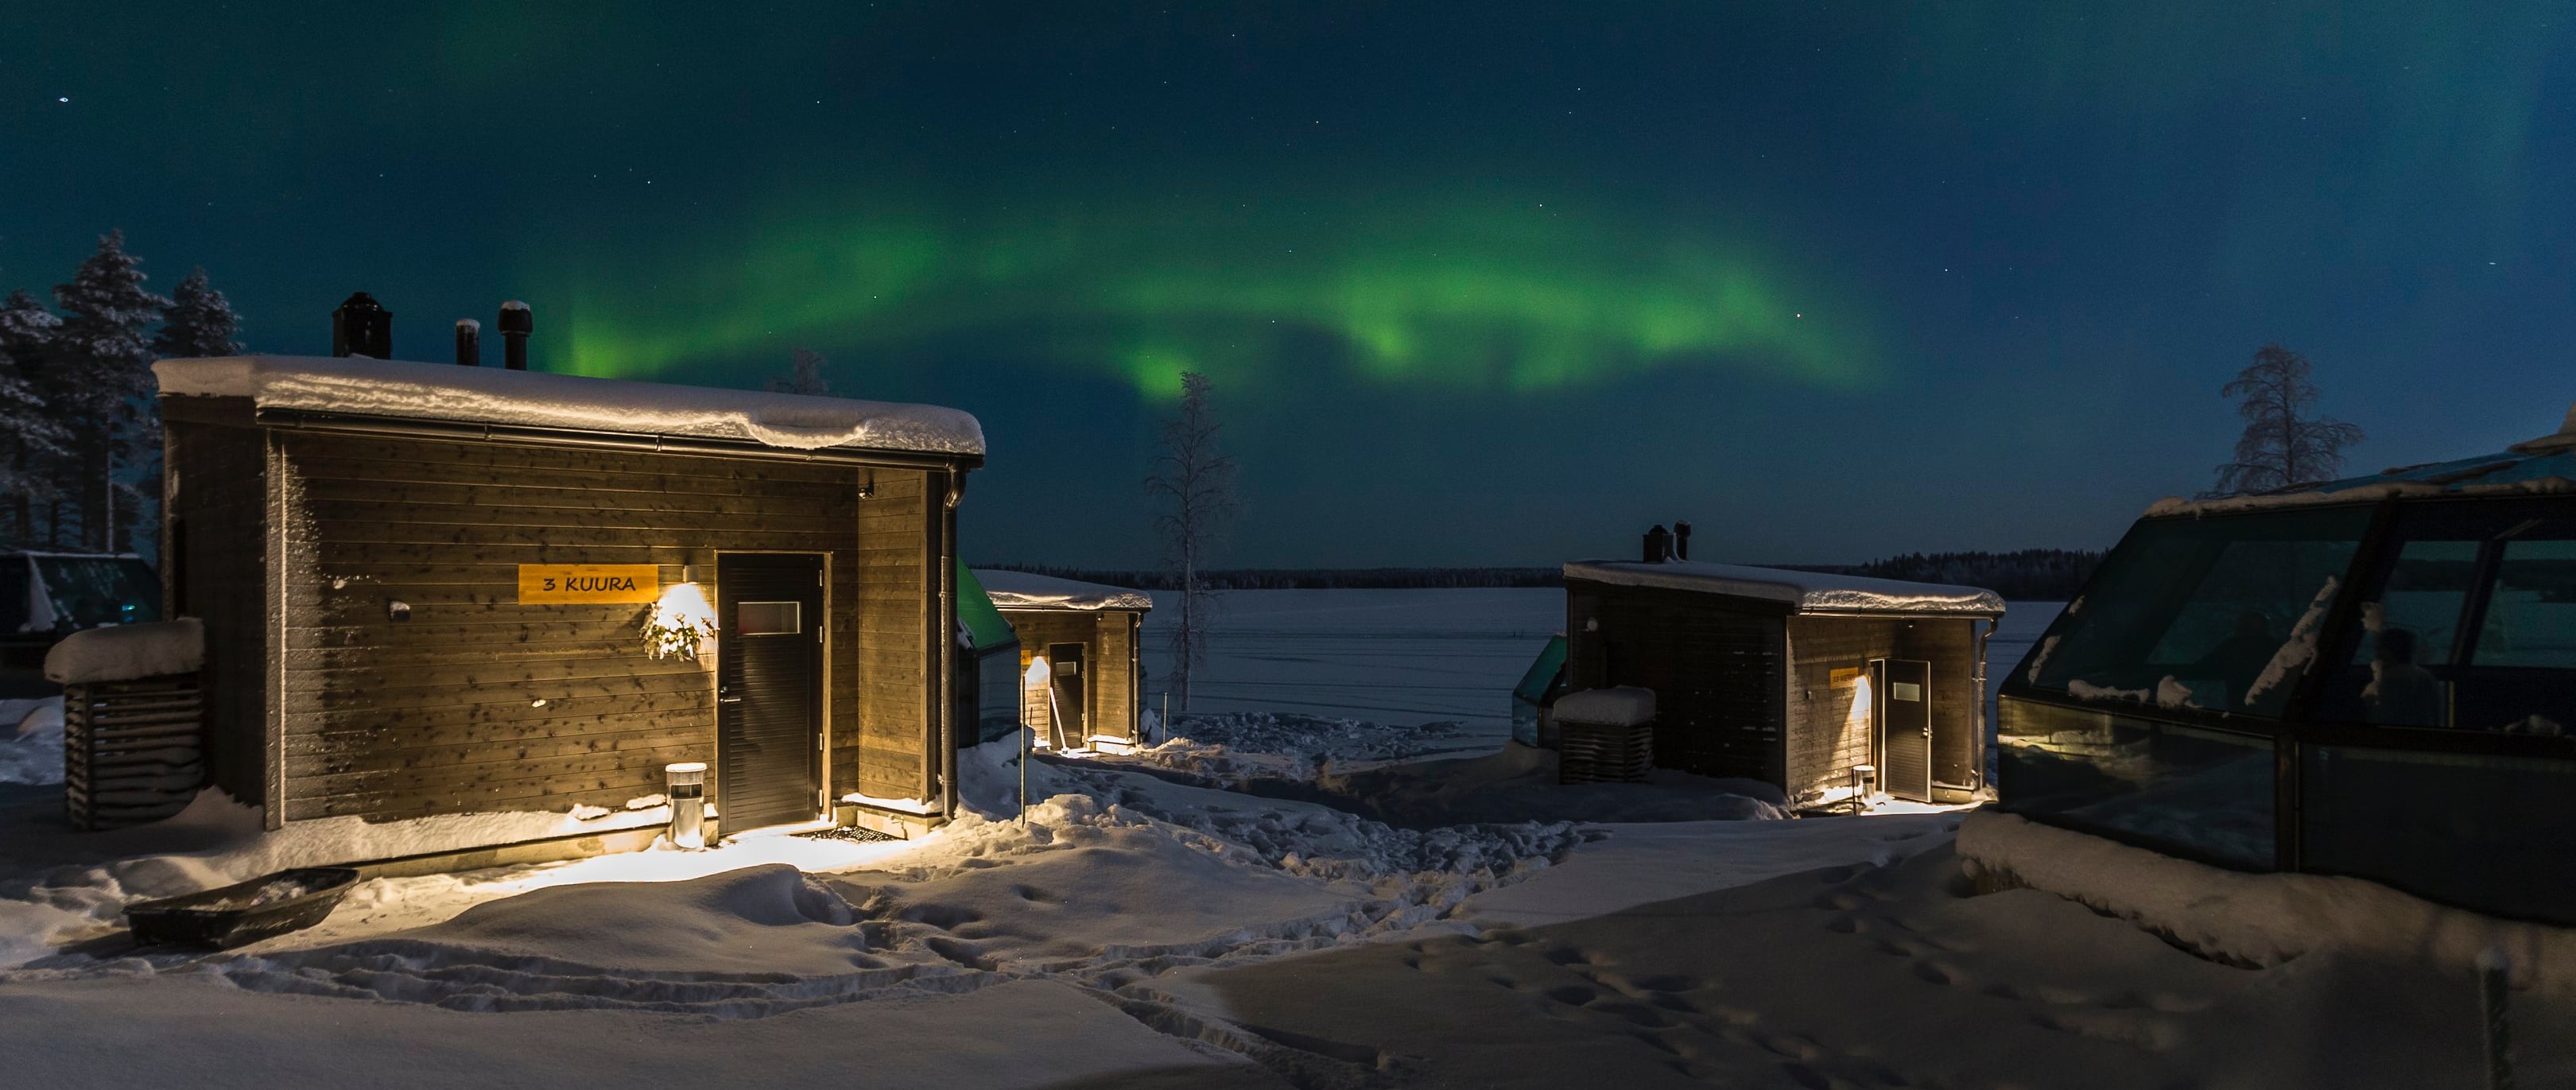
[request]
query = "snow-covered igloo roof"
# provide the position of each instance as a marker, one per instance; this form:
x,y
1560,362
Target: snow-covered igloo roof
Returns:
x,y
491,395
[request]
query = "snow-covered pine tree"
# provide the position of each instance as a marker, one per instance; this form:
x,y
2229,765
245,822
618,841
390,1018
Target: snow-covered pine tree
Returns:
x,y
808,378
103,359
27,332
199,321
30,440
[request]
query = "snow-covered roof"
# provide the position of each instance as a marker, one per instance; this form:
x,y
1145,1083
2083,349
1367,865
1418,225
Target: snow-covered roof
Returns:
x,y
493,395
2537,467
1806,591
1022,590
127,652
1623,706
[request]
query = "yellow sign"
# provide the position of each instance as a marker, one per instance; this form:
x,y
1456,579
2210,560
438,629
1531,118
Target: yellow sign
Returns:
x,y
572,584
1842,677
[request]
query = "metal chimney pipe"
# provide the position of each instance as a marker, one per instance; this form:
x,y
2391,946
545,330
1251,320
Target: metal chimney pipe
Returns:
x,y
1681,540
360,326
469,343
516,324
1658,546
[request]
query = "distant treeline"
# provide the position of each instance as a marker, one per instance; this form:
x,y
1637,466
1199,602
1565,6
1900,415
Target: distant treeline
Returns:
x,y
2049,575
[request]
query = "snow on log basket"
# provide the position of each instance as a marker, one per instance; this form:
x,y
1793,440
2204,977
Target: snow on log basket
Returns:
x,y
1605,735
133,721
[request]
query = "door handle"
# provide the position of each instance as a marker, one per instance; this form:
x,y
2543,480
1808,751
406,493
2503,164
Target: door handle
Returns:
x,y
728,700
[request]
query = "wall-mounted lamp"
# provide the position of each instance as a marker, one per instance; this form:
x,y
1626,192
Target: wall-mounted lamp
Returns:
x,y
679,621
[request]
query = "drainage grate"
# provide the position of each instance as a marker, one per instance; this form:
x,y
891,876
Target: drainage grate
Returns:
x,y
848,832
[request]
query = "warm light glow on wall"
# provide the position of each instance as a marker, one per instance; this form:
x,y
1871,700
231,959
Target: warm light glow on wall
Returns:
x,y
680,622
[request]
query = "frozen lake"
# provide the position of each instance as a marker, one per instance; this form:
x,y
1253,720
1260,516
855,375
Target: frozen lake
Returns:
x,y
1410,656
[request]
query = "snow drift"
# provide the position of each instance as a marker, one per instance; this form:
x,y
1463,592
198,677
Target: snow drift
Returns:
x,y
2255,919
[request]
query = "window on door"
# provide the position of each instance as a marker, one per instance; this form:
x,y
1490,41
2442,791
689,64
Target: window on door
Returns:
x,y
769,618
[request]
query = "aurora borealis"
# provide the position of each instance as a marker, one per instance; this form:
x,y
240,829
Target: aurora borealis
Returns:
x,y
1478,283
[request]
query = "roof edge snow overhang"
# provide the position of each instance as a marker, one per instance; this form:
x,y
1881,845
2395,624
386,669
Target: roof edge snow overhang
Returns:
x,y
532,435
1787,600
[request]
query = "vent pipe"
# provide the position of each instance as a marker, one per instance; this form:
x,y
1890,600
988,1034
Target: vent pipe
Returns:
x,y
516,324
1658,546
362,327
1681,540
469,343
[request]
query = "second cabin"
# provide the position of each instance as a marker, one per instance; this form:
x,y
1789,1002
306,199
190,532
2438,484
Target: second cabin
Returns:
x,y
1081,677
1834,688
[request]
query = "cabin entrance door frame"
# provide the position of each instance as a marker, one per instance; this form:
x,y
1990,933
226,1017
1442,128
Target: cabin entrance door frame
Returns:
x,y
770,632
1072,710
1901,714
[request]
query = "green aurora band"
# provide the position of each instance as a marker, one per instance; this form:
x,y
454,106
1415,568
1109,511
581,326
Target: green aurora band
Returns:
x,y
1475,296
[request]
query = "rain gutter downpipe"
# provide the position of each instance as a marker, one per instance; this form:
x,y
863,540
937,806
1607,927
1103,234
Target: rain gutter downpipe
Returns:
x,y
956,490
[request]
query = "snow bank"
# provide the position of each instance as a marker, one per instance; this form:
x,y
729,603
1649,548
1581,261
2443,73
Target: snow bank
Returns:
x,y
1810,592
1023,590
492,395
2255,919
126,652
93,896
1624,706
31,741
1296,746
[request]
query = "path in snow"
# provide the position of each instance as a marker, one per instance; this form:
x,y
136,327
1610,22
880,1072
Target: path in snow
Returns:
x,y
1869,976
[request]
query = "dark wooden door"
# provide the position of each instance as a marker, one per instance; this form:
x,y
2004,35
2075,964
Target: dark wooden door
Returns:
x,y
769,689
1904,696
1072,681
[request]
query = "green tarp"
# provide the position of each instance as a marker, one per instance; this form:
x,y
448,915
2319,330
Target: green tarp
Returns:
x,y
975,613
1543,674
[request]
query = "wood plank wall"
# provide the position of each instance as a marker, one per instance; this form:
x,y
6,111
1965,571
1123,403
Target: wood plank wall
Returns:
x,y
1113,648
217,491
1040,627
1824,743
478,703
892,686
1718,673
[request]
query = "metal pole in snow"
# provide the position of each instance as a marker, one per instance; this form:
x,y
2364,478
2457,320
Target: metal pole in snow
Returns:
x,y
2494,969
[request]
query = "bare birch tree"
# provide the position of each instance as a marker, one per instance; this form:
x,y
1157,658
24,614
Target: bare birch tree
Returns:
x,y
2282,445
1194,480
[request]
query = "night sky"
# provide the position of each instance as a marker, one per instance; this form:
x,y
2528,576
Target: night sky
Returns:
x,y
1478,283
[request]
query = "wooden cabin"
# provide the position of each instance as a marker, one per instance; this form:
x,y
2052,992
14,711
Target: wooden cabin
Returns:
x,y
426,590
1806,681
1092,692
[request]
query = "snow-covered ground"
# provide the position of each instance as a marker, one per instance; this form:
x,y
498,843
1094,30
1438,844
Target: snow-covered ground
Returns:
x,y
1268,900
1386,656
